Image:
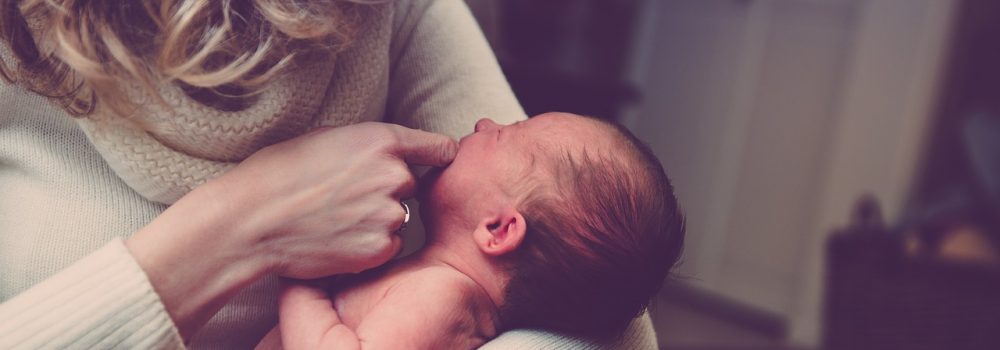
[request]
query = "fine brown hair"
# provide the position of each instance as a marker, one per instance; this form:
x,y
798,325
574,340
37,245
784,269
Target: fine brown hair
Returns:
x,y
78,52
599,243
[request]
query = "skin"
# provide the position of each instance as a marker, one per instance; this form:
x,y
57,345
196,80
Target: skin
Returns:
x,y
448,295
321,204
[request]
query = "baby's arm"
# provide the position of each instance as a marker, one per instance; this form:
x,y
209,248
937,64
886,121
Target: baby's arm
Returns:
x,y
425,313
308,321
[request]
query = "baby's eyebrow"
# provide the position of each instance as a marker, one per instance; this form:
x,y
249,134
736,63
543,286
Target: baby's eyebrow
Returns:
x,y
500,132
515,125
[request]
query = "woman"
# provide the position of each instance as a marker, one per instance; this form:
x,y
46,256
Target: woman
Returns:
x,y
197,168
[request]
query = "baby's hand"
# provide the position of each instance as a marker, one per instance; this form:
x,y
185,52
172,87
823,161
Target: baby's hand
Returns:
x,y
307,320
271,341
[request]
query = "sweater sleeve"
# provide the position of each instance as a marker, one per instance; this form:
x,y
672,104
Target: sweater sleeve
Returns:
x,y
443,74
103,301
638,336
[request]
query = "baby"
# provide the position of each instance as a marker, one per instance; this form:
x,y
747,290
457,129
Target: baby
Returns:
x,y
560,222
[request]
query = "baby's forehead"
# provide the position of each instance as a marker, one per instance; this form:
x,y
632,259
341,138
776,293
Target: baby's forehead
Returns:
x,y
556,145
567,130
560,135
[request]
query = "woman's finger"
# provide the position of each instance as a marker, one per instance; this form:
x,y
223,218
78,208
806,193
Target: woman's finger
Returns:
x,y
405,181
418,147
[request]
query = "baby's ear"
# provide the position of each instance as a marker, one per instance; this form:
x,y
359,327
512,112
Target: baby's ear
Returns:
x,y
501,233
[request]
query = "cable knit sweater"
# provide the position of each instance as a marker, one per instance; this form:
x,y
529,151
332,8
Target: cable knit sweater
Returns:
x,y
71,190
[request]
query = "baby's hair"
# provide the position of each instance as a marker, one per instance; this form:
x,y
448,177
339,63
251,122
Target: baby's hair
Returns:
x,y
599,243
78,52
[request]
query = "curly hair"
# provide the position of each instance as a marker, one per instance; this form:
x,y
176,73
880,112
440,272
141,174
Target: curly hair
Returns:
x,y
77,52
599,243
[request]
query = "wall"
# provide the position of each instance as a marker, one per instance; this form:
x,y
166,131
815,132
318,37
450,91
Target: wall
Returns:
x,y
771,116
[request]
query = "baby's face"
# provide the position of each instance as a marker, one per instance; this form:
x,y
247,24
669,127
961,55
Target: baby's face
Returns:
x,y
495,159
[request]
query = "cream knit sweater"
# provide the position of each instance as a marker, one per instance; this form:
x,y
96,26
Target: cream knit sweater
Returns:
x,y
71,190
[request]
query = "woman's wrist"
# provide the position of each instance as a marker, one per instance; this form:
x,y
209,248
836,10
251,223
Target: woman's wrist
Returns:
x,y
197,256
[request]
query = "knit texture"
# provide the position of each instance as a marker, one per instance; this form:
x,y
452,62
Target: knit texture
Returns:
x,y
190,142
70,187
639,336
121,309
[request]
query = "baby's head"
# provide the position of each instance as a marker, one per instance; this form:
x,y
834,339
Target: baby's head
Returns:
x,y
577,212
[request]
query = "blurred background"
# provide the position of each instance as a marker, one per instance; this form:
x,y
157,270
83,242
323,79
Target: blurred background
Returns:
x,y
774,118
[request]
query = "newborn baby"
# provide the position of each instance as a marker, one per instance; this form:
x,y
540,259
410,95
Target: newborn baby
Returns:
x,y
560,222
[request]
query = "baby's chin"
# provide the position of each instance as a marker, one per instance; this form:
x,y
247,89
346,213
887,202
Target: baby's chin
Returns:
x,y
429,184
429,194
426,183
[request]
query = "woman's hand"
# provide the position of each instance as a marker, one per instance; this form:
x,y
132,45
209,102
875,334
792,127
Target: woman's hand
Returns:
x,y
329,202
320,204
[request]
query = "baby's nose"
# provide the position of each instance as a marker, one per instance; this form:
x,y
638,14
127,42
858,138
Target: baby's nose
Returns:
x,y
485,124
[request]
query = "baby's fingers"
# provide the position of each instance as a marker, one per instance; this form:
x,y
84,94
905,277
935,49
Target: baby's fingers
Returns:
x,y
305,315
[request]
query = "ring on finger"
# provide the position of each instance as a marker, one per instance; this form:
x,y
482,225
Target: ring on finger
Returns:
x,y
406,217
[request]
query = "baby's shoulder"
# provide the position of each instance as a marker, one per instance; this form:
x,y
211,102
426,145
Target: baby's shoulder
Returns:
x,y
434,287
435,306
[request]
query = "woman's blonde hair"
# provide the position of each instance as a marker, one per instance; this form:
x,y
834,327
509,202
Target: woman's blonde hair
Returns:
x,y
76,52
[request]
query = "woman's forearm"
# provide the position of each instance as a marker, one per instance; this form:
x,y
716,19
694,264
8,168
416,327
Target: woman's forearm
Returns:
x,y
197,257
317,205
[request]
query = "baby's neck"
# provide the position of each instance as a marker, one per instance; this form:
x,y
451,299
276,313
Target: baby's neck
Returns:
x,y
470,262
